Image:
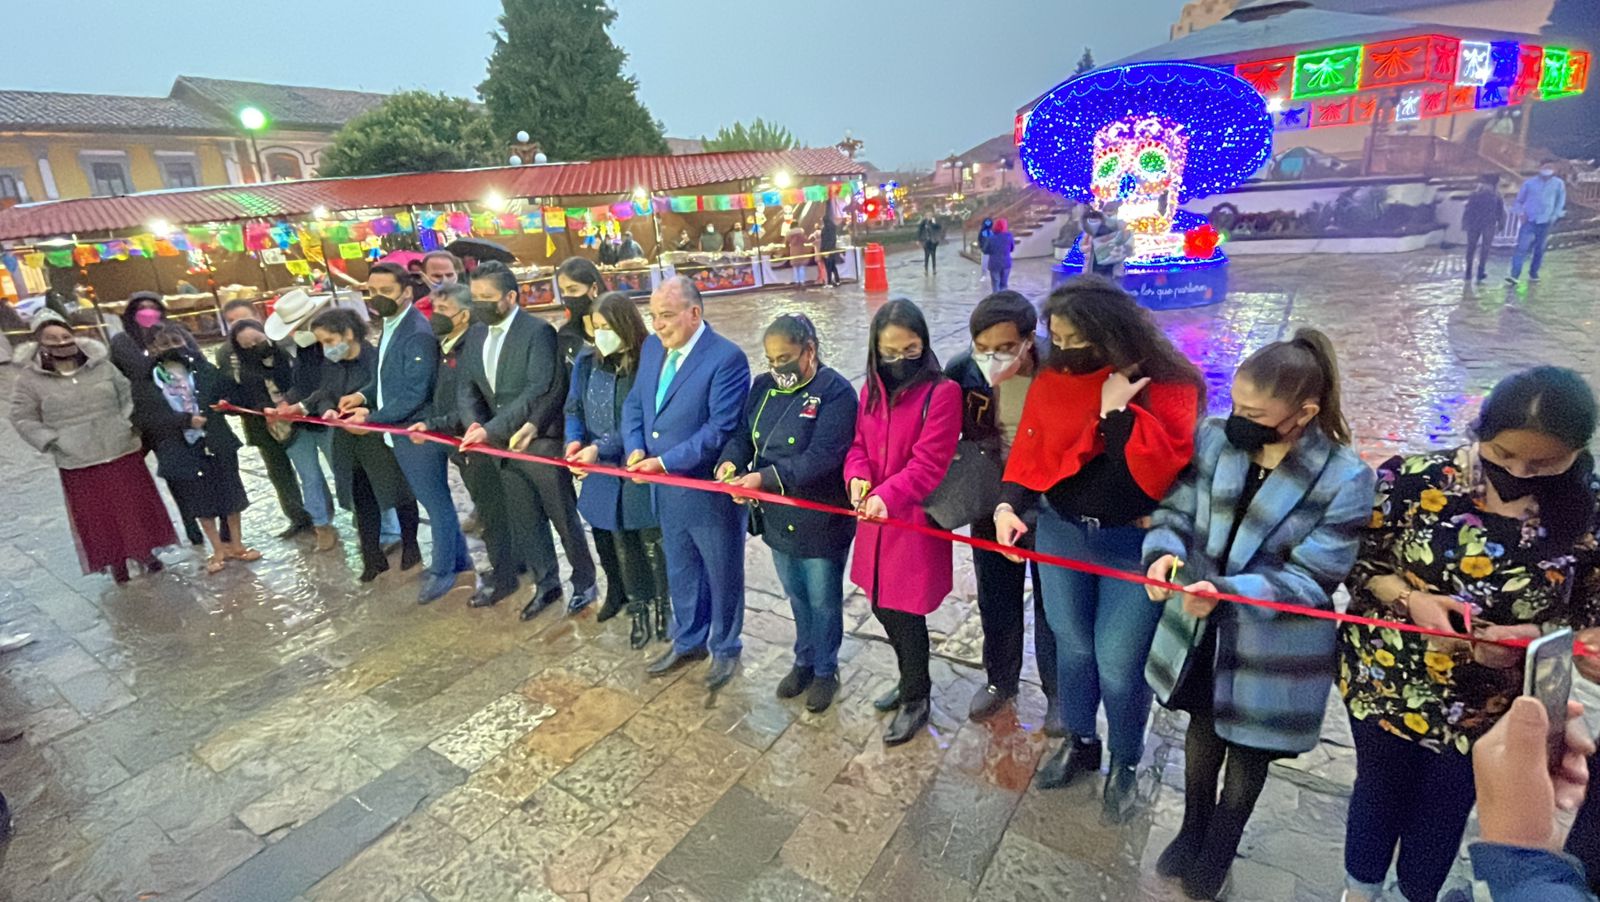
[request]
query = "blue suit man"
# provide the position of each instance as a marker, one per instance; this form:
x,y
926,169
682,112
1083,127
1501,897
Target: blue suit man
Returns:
x,y
685,403
400,394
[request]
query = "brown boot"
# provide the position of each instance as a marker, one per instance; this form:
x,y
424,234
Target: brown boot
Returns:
x,y
327,537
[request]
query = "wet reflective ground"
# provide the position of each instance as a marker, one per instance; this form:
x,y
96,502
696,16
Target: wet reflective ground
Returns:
x,y
276,733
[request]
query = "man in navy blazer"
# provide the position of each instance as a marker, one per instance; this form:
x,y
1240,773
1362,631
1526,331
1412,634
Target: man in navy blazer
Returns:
x,y
401,393
686,401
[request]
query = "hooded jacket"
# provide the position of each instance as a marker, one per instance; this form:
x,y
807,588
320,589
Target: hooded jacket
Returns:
x,y
81,420
128,349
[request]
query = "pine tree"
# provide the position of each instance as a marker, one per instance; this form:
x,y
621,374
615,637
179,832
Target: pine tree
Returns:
x,y
1085,62
555,74
759,135
413,131
1565,125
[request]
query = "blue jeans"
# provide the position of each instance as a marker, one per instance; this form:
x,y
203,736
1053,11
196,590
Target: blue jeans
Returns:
x,y
427,471
999,277
1103,630
1531,237
815,586
303,450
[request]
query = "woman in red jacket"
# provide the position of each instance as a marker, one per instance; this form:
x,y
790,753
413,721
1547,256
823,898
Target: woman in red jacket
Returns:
x,y
1106,429
906,433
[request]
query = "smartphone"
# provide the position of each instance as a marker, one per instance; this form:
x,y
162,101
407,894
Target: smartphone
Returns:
x,y
1547,676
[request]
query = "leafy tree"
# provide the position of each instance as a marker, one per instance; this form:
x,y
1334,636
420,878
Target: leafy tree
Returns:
x,y
1085,62
555,74
760,135
413,131
1566,125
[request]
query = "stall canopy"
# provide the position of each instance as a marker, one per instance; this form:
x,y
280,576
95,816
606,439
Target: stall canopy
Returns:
x,y
229,203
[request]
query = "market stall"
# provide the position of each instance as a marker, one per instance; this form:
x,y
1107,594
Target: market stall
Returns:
x,y
193,245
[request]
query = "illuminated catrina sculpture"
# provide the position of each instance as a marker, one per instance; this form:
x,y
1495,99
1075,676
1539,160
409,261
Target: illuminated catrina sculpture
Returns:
x,y
1144,138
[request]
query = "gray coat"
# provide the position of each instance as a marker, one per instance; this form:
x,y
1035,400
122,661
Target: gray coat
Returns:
x,y
1298,541
82,419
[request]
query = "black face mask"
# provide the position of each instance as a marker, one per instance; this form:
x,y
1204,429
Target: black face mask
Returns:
x,y
577,305
442,325
1250,436
385,306
174,355
898,373
1511,487
1077,361
787,375
487,313
257,354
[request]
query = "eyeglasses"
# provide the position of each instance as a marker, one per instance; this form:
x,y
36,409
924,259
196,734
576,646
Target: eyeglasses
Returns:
x,y
910,354
653,317
1001,357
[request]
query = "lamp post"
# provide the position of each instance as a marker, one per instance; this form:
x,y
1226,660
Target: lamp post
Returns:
x,y
254,121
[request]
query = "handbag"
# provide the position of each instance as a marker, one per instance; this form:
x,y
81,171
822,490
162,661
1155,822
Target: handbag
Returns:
x,y
970,488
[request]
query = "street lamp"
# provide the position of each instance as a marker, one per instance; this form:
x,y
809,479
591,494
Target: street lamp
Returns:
x,y
254,121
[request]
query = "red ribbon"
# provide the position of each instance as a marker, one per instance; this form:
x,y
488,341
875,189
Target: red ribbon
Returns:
x,y
706,485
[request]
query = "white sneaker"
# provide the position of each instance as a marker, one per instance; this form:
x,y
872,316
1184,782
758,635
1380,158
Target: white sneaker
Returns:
x,y
12,643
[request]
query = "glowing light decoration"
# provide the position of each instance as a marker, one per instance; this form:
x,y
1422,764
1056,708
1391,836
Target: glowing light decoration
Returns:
x,y
1530,67
1496,92
1409,107
1148,137
1476,65
1553,78
1577,72
1322,73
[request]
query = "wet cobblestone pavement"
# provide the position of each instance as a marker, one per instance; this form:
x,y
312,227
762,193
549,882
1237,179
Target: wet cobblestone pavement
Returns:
x,y
276,733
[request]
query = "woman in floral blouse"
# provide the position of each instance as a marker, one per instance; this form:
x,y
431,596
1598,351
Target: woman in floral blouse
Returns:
x,y
1499,533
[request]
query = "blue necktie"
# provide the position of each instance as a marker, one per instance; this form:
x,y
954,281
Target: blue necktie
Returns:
x,y
668,372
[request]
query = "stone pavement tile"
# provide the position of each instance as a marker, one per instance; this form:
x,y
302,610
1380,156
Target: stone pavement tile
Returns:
x,y
685,702
651,731
571,730
490,730
609,772
42,851
703,767
955,825
310,852
1026,871
749,712
836,844
607,866
897,773
555,685
90,768
1068,820
117,865
659,889
147,732
422,680
999,752
179,794
735,841
307,794
1254,882
45,725
798,768
519,846
901,873
394,865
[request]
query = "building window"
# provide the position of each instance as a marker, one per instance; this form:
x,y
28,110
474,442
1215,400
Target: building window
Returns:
x,y
282,166
12,189
108,173
179,170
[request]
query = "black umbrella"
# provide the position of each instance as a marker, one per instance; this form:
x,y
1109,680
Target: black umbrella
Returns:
x,y
480,249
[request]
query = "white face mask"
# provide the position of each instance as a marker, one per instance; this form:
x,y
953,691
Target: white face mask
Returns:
x,y
1000,367
607,342
305,339
1547,172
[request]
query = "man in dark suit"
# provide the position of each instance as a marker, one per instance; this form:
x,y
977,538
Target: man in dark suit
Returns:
x,y
401,393
452,324
687,400
514,376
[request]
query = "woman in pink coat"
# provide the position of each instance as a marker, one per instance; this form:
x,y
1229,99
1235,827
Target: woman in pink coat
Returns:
x,y
906,433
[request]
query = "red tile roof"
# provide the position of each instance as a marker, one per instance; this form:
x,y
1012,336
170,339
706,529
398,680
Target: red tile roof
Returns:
x,y
94,215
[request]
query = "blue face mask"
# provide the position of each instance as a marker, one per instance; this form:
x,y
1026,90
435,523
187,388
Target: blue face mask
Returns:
x,y
337,353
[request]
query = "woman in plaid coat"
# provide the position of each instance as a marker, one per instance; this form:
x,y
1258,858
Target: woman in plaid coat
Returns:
x,y
1270,508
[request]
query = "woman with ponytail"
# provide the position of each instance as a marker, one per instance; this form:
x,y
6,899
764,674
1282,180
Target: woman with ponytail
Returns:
x,y
1271,508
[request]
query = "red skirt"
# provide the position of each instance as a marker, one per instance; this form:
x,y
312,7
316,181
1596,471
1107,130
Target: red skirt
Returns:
x,y
117,515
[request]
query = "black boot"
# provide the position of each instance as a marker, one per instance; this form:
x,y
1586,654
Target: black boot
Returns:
x,y
907,722
5,819
639,633
614,603
373,568
663,619
1121,795
1178,857
1074,758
